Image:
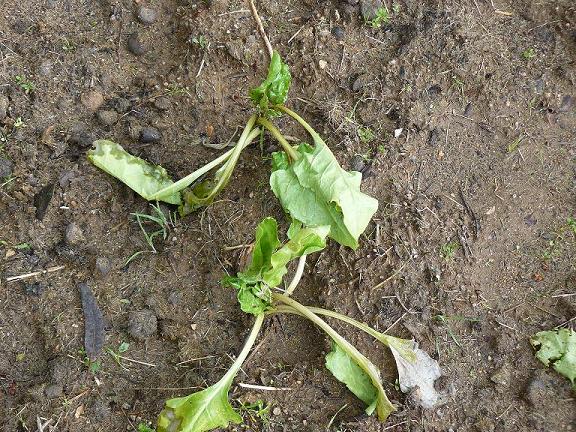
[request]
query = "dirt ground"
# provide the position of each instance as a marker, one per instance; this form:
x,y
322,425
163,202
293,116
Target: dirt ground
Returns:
x,y
470,253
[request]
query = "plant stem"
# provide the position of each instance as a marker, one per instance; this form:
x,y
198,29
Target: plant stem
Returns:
x,y
299,119
297,276
293,154
332,314
245,350
224,173
383,407
246,138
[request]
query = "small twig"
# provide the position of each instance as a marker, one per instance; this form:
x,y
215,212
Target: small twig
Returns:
x,y
395,322
266,388
476,226
389,278
168,388
195,359
136,361
36,273
565,323
296,34
241,246
203,61
334,417
260,27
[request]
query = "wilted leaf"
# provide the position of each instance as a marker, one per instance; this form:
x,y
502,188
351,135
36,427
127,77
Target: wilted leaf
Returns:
x,y
93,323
417,371
142,177
557,347
316,191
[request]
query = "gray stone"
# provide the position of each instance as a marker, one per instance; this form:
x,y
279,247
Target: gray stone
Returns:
x,y
142,324
150,135
53,391
135,46
338,33
74,235
107,117
102,267
6,168
162,103
147,15
46,68
3,107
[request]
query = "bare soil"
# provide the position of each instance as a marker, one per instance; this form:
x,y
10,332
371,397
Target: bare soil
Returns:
x,y
470,252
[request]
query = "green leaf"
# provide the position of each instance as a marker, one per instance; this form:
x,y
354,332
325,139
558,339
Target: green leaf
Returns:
x,y
274,89
124,346
559,349
201,411
269,263
316,191
254,298
264,246
142,177
348,372
304,242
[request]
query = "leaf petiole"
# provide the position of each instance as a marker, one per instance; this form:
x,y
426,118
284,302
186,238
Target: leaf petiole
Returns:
x,y
383,406
401,345
293,154
299,119
248,135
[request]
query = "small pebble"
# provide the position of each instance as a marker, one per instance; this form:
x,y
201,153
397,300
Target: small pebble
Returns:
x,y
162,103
147,15
142,324
35,289
107,117
338,33
53,391
276,411
102,267
92,100
135,46
359,83
565,106
121,105
3,107
74,234
322,64
150,135
45,68
6,168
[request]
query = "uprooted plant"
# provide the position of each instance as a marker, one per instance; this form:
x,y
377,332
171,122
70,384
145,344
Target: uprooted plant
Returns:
x,y
322,201
259,293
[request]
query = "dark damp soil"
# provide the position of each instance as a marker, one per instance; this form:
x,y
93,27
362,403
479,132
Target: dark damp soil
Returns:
x,y
461,117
